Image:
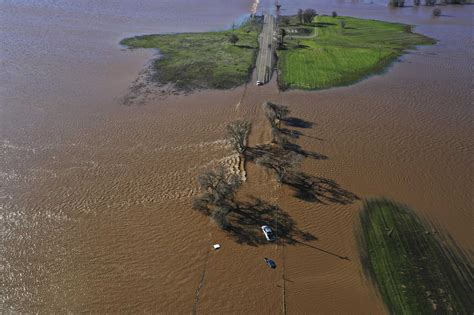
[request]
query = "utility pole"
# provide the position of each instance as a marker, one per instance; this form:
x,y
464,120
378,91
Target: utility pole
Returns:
x,y
278,6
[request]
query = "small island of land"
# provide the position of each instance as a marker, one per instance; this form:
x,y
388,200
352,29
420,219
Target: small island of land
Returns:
x,y
326,52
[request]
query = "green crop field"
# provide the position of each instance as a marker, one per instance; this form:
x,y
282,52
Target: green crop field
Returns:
x,y
416,271
337,56
203,60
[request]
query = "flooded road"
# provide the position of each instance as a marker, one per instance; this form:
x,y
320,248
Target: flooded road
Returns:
x,y
95,196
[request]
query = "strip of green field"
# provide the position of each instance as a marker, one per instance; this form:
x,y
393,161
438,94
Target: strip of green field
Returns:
x,y
415,272
203,60
339,56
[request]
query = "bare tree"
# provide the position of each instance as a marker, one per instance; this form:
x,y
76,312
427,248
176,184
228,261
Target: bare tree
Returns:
x,y
275,113
271,117
237,132
309,15
219,188
281,162
300,15
284,20
280,111
279,137
334,14
219,216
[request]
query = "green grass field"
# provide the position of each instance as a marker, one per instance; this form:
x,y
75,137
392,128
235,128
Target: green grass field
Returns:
x,y
202,60
415,272
340,56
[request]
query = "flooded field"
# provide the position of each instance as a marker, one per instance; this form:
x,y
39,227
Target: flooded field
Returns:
x,y
95,196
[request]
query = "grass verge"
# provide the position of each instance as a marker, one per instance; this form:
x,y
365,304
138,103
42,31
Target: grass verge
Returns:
x,y
415,271
340,56
202,60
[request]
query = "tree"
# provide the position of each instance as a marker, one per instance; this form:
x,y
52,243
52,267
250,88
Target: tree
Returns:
x,y
397,3
342,24
300,15
237,132
219,216
275,113
281,37
233,39
334,14
217,200
416,2
308,15
281,162
279,137
284,20
271,117
280,111
219,188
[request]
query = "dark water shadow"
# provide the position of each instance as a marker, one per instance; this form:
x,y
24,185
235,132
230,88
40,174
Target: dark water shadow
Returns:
x,y
317,189
297,122
325,251
247,217
293,147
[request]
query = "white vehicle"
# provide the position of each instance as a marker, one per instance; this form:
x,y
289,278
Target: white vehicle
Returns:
x,y
268,233
259,83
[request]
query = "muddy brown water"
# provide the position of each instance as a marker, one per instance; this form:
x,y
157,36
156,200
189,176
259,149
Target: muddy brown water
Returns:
x,y
95,197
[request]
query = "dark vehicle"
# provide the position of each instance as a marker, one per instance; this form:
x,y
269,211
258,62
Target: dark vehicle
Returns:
x,y
270,263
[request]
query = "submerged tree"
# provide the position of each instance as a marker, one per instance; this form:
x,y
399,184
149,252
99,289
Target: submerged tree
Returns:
x,y
237,132
217,199
219,216
279,111
280,162
218,186
275,113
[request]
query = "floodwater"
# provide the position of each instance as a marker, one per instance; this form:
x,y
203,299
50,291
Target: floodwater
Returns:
x,y
95,196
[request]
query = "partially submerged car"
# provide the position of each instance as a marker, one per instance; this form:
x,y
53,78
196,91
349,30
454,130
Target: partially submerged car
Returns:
x,y
270,263
259,83
268,232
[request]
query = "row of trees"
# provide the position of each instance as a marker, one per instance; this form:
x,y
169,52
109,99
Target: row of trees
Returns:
x,y
279,159
306,16
218,186
401,3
